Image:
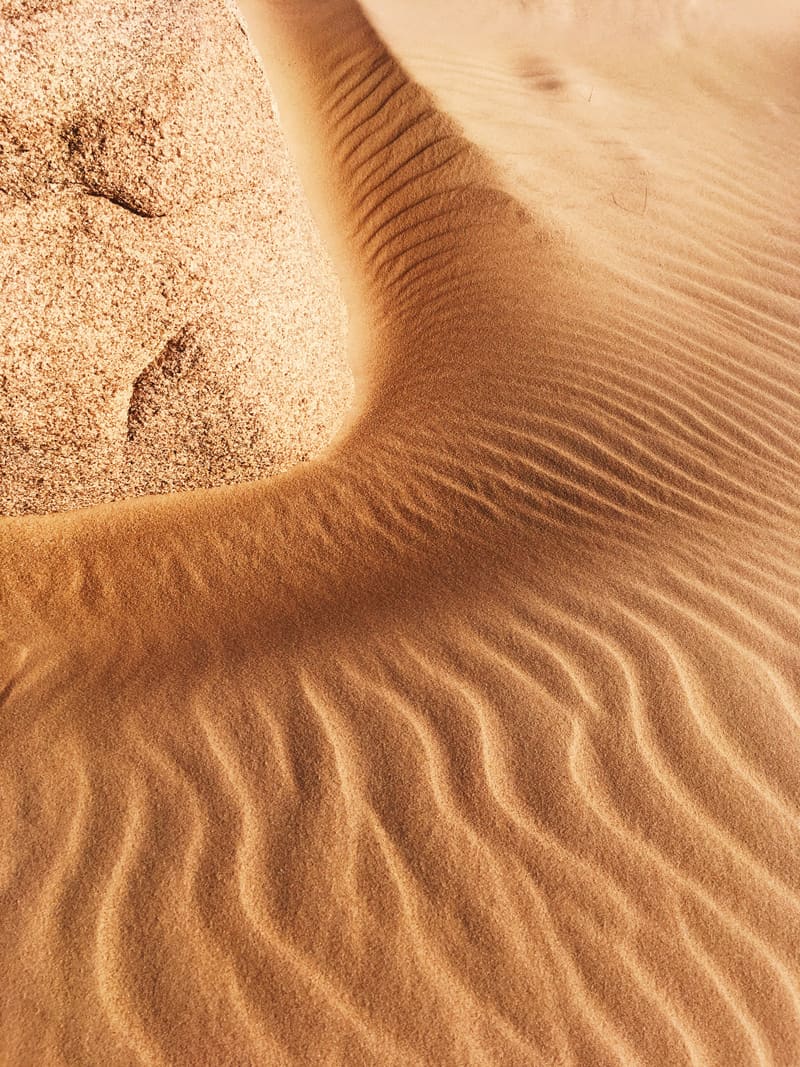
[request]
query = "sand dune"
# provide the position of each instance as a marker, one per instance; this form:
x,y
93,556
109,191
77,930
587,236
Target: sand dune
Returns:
x,y
474,741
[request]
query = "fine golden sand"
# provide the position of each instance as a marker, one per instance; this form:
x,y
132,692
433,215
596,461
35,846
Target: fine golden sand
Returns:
x,y
475,741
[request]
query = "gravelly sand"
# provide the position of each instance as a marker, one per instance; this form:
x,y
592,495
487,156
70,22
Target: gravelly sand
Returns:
x,y
474,741
169,318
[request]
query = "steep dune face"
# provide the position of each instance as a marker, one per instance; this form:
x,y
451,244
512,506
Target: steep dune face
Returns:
x,y
475,741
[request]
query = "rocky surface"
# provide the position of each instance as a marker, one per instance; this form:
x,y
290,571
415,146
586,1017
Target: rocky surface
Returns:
x,y
168,316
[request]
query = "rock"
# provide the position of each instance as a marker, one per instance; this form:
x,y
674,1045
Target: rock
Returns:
x,y
168,316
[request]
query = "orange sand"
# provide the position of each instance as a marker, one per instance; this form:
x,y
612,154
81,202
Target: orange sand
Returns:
x,y
475,741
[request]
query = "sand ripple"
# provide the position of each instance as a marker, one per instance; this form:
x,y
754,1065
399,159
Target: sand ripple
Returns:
x,y
475,742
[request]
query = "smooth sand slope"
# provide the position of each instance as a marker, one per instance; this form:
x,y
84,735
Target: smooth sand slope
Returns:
x,y
476,741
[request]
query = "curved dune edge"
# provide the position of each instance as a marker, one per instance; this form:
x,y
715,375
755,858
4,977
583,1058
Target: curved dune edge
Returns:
x,y
473,742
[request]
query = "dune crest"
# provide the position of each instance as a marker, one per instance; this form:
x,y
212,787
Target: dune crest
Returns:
x,y
475,740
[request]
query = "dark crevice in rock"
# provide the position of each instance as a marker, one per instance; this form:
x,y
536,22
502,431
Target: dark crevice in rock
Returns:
x,y
33,193
127,206
170,362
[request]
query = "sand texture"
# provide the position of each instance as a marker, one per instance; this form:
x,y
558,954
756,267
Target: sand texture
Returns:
x,y
475,740
168,316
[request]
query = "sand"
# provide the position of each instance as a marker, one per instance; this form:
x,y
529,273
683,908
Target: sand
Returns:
x,y
169,317
475,739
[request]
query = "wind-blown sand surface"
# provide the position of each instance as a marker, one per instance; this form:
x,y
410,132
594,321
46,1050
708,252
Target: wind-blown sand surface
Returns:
x,y
476,740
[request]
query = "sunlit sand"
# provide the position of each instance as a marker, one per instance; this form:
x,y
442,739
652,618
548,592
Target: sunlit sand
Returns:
x,y
475,739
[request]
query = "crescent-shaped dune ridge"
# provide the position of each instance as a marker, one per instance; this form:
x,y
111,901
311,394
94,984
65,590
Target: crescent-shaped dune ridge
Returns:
x,y
474,740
